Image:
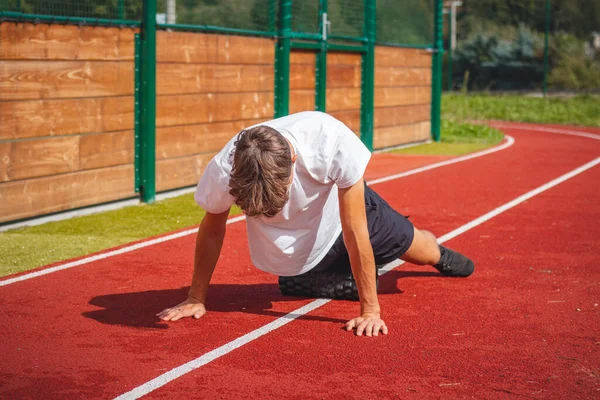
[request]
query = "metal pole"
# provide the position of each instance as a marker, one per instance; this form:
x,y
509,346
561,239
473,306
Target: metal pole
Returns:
x,y
148,98
282,61
368,76
171,12
546,50
437,66
321,71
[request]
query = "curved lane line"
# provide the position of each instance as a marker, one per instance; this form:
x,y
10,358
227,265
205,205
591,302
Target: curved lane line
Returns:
x,y
509,125
509,142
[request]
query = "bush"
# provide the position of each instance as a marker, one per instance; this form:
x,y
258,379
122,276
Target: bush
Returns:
x,y
572,69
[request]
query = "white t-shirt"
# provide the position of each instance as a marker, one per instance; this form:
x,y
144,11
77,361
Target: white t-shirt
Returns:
x,y
297,238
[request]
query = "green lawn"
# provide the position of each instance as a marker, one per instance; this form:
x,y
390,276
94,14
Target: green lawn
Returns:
x,y
457,139
579,110
26,248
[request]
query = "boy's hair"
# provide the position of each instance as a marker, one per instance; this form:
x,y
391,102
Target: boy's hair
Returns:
x,y
262,166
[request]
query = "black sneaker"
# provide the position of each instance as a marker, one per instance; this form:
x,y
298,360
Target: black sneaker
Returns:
x,y
453,263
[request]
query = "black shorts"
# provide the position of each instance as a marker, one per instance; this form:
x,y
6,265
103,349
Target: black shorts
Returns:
x,y
390,232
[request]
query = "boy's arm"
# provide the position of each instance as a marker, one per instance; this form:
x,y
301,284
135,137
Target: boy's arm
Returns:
x,y
208,248
356,238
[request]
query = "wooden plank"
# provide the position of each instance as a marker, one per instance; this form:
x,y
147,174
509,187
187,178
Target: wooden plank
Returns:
x,y
186,47
245,50
42,157
207,78
25,41
204,108
401,115
106,149
245,78
5,149
337,58
185,78
175,173
389,97
394,77
38,118
401,134
180,141
303,57
343,99
302,76
401,57
117,114
28,198
339,76
24,80
350,118
302,100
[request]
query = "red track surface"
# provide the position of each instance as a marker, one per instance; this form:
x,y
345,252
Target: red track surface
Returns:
x,y
512,328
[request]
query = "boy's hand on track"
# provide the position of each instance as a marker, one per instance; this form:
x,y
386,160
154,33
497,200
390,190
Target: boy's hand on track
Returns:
x,y
369,323
189,308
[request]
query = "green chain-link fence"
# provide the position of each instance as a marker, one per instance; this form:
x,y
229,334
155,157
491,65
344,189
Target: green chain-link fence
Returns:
x,y
409,22
501,45
102,11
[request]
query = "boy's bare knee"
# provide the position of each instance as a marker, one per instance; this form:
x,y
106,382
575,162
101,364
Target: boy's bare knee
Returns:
x,y
425,249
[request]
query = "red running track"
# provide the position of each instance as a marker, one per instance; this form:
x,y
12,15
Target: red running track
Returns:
x,y
513,327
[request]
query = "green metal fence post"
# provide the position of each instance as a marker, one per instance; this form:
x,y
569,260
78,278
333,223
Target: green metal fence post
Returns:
x,y
368,76
546,50
282,59
321,67
437,65
148,100
121,9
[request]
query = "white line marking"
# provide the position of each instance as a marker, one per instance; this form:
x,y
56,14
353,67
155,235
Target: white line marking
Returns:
x,y
175,373
151,242
509,142
221,351
550,130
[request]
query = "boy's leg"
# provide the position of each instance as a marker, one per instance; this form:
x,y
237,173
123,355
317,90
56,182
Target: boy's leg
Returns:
x,y
425,250
393,236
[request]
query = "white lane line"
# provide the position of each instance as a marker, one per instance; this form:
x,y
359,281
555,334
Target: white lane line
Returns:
x,y
278,323
166,238
221,351
549,130
509,142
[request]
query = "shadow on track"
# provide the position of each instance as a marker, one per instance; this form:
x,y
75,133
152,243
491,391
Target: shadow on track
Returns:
x,y
138,309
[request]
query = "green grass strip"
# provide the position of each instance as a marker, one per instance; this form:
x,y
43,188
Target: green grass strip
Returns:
x,y
457,139
30,247
578,110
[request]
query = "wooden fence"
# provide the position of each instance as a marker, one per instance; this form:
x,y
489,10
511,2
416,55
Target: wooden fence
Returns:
x,y
67,107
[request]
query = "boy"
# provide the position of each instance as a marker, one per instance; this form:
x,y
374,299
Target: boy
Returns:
x,y
299,180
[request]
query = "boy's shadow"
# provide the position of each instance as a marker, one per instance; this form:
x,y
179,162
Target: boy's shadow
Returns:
x,y
138,309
